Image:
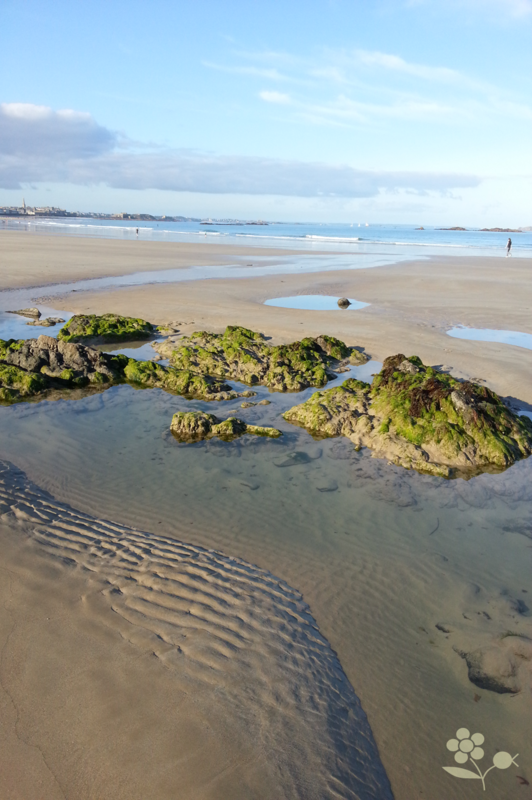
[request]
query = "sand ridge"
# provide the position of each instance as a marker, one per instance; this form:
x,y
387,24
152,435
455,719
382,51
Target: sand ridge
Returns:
x,y
224,628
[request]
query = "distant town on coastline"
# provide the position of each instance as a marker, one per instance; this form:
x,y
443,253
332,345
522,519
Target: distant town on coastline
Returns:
x,y
52,211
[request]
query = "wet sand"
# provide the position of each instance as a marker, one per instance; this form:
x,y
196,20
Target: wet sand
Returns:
x,y
412,305
31,260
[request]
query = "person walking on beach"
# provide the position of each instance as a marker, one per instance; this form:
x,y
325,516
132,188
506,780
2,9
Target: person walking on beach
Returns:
x,y
508,248
137,231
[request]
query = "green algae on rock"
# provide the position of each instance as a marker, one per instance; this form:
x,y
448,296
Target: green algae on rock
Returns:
x,y
104,328
194,426
16,384
149,374
31,368
245,356
420,419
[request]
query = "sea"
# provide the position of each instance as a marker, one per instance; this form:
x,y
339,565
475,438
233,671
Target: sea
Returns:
x,y
311,236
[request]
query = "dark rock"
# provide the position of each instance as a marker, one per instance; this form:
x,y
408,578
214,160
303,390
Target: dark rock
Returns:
x,y
343,302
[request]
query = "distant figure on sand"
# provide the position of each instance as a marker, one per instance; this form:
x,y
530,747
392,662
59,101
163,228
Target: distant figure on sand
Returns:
x,y
508,248
137,231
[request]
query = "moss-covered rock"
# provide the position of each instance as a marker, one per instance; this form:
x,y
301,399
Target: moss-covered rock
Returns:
x,y
178,381
245,356
16,384
45,363
104,328
194,426
421,419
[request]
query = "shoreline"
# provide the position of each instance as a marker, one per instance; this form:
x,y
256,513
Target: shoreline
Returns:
x,y
37,261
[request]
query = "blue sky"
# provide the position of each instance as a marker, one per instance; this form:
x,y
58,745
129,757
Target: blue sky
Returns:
x,y
329,110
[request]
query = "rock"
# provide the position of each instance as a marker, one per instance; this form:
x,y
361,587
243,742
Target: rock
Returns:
x,y
194,426
418,418
503,666
247,405
49,322
408,368
32,367
105,328
17,384
264,403
327,485
343,302
68,365
245,356
27,312
52,357
178,381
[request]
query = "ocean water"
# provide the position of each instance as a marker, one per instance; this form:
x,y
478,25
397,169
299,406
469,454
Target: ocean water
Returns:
x,y
352,237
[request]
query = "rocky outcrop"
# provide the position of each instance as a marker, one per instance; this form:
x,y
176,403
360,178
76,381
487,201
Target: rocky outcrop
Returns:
x,y
27,312
245,356
49,322
33,367
179,381
105,328
194,426
62,360
420,419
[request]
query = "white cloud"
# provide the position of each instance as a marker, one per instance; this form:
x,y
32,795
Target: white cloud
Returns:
x,y
376,85
398,64
275,97
37,131
47,147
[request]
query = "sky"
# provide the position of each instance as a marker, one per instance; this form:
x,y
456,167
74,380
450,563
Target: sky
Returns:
x,y
389,111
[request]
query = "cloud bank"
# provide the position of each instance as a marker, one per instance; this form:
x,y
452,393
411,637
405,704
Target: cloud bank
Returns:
x,y
39,145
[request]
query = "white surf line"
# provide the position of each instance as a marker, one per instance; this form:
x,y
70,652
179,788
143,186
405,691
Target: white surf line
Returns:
x,y
214,619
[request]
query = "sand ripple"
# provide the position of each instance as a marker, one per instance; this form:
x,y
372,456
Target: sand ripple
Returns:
x,y
219,622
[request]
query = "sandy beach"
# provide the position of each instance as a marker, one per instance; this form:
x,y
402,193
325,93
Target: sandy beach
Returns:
x,y
125,656
27,260
413,304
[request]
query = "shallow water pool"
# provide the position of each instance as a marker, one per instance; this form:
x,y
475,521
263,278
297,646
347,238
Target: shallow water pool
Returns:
x,y
314,302
516,338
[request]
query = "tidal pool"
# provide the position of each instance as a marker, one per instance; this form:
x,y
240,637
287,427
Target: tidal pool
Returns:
x,y
313,302
516,338
402,572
